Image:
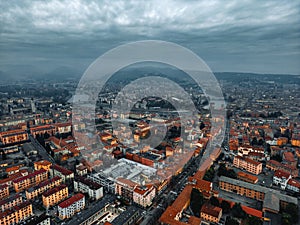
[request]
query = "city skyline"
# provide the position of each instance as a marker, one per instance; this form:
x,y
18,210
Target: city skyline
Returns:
x,y
63,37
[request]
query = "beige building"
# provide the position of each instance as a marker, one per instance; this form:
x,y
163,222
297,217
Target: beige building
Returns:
x,y
210,213
143,195
72,205
35,191
30,180
55,195
247,164
4,191
16,214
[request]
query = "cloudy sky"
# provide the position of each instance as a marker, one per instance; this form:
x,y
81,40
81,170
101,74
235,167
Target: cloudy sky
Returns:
x,y
244,36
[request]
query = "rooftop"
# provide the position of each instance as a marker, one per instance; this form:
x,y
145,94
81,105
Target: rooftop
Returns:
x,y
70,201
54,190
211,210
91,184
33,174
61,169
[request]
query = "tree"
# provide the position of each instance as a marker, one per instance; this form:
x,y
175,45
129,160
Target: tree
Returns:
x,y
196,201
231,221
238,212
253,221
225,206
214,201
290,214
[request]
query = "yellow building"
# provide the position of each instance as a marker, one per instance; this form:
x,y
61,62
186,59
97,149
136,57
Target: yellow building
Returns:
x,y
43,164
30,180
4,191
16,214
55,195
211,213
42,187
13,136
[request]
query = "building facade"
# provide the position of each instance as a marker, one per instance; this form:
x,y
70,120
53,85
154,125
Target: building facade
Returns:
x,y
13,136
16,214
69,207
11,202
4,191
55,195
35,191
30,180
143,195
247,164
210,213
86,185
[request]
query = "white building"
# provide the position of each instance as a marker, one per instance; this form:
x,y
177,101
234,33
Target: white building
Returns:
x,y
293,185
69,207
87,185
281,178
143,195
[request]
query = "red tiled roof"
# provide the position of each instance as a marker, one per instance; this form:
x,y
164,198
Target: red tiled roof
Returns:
x,y
71,200
33,174
54,190
281,174
288,156
252,212
61,169
210,210
294,183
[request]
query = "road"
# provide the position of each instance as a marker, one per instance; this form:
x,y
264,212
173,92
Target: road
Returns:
x,y
42,151
166,197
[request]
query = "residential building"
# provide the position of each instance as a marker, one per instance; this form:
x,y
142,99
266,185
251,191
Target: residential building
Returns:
x,y
289,158
247,177
30,180
4,191
247,164
86,185
16,214
55,195
69,207
10,202
281,178
13,136
124,187
40,220
81,170
41,130
274,165
210,213
35,191
43,164
272,200
143,195
65,174
293,185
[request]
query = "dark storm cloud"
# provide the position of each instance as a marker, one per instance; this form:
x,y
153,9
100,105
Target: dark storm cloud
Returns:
x,y
258,36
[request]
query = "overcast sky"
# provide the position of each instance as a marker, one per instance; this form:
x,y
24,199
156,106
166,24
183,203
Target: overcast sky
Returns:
x,y
245,36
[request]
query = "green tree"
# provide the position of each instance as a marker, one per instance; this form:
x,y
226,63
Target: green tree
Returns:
x,y
253,221
225,206
214,201
290,213
231,221
238,212
196,201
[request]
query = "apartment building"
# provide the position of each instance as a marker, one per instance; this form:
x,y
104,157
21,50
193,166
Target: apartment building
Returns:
x,y
55,195
35,191
72,205
124,188
86,185
210,213
30,180
247,177
11,202
13,136
43,164
272,200
65,174
143,195
281,178
4,191
247,164
16,214
293,185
